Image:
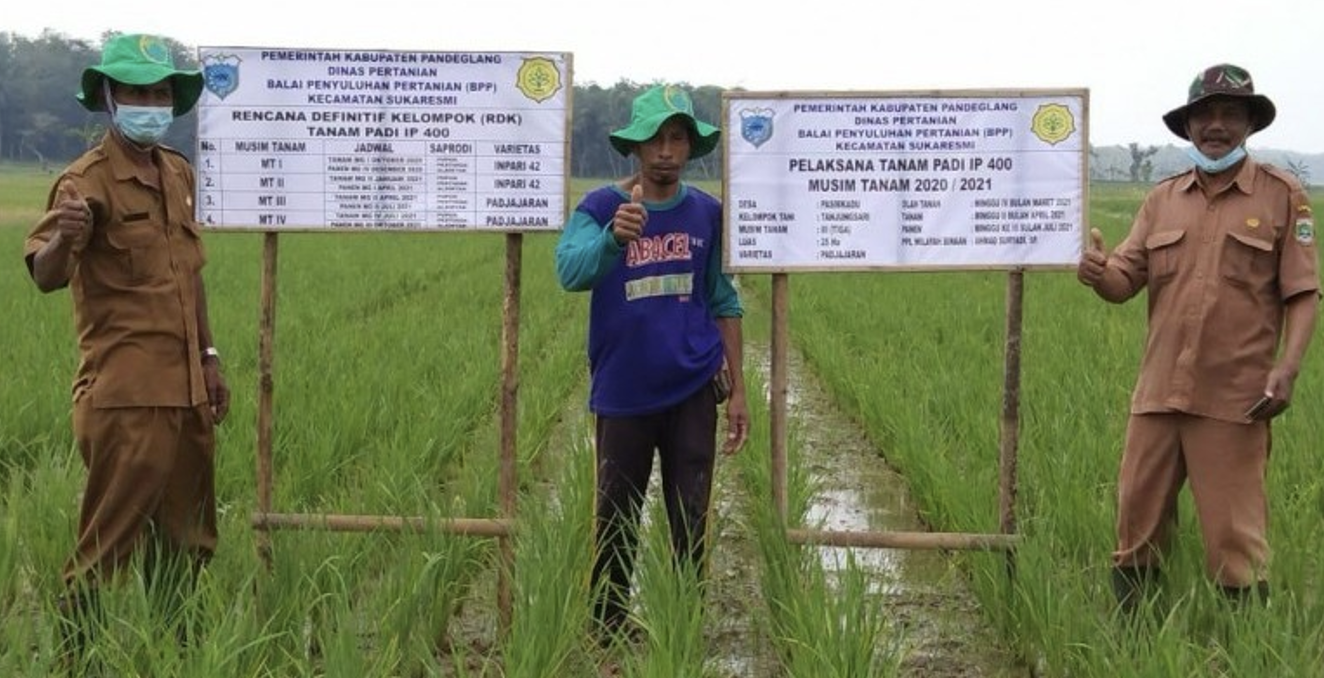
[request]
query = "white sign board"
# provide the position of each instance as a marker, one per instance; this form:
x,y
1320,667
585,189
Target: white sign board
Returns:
x,y
960,179
304,139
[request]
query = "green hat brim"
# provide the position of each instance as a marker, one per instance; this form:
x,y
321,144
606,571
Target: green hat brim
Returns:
x,y
704,140
187,85
1262,112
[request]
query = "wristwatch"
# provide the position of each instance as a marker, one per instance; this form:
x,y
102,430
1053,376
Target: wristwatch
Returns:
x,y
211,352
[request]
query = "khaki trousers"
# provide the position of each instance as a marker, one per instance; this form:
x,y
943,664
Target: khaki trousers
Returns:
x,y
150,482
1225,463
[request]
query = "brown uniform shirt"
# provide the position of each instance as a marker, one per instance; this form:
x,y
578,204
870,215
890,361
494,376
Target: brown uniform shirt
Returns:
x,y
134,296
1219,271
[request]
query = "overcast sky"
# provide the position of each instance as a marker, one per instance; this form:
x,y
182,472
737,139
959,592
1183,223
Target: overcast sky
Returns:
x,y
1135,58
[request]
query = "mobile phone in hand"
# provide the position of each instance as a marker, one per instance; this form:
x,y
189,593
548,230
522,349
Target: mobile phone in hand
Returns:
x,y
1257,410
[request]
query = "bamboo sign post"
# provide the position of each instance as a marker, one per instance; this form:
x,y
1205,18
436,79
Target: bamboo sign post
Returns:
x,y
342,141
904,181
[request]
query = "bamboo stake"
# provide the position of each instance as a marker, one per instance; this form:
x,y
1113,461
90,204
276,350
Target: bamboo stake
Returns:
x,y
506,481
266,388
1011,403
336,522
918,541
777,408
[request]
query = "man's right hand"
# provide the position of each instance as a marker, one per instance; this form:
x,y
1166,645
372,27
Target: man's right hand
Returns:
x,y
1093,260
75,217
628,224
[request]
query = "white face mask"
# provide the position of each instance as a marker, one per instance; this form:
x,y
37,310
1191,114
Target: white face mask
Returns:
x,y
145,125
1212,166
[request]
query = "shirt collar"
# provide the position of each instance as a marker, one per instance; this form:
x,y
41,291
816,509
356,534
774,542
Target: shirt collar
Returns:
x,y
1243,180
121,165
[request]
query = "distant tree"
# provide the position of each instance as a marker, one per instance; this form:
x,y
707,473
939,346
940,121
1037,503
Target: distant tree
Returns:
x,y
37,80
1139,161
708,107
40,133
89,133
598,111
40,119
1301,170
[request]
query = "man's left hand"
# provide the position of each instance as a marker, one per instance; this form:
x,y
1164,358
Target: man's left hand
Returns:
x,y
737,423
218,394
1279,390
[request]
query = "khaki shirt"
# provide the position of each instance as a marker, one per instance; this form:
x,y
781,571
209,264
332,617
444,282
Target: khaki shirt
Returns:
x,y
134,296
1219,272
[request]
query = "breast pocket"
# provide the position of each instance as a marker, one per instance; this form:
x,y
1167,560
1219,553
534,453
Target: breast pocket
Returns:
x,y
137,244
192,253
1163,251
1247,261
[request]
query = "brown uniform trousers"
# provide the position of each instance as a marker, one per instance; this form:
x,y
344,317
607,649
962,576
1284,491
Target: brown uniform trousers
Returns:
x,y
149,477
1225,463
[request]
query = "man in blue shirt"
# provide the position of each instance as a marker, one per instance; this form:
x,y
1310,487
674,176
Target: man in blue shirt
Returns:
x,y
664,340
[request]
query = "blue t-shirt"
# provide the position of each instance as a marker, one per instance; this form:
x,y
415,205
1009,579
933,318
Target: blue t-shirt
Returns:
x,y
652,338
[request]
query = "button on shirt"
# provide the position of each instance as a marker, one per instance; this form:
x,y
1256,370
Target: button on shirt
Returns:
x,y
1219,270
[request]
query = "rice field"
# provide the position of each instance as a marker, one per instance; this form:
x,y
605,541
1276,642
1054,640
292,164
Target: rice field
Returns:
x,y
386,402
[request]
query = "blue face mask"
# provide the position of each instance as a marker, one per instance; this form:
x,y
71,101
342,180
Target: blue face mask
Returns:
x,y
1212,166
145,125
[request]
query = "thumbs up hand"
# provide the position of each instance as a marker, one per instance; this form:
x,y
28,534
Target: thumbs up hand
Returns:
x,y
1093,260
75,217
628,224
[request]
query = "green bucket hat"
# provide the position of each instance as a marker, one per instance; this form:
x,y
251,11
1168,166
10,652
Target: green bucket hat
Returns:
x,y
1223,80
654,107
139,60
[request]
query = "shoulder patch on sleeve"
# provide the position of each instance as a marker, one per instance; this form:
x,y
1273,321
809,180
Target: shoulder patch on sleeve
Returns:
x,y
1304,230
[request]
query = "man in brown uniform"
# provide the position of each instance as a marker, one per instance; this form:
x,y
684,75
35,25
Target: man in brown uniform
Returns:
x,y
1227,250
120,232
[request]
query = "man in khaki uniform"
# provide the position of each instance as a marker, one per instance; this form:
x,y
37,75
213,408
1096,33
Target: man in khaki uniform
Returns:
x,y
120,232
1227,250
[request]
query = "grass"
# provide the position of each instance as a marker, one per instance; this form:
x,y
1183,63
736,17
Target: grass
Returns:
x,y
917,359
386,387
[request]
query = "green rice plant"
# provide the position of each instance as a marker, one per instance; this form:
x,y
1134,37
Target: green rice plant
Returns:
x,y
669,604
387,393
820,623
9,557
550,628
26,187
917,359
424,593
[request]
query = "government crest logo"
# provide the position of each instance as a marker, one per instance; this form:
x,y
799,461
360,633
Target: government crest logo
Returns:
x,y
1053,123
220,73
1305,231
538,78
756,125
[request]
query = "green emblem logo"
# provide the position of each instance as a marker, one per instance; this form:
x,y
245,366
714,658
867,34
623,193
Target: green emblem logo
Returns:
x,y
1053,123
1305,231
154,50
538,78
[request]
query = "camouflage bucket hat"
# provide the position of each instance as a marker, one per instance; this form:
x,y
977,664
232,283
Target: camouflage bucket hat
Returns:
x,y
139,60
654,107
1223,80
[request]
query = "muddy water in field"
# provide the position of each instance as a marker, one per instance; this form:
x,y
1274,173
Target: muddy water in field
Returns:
x,y
926,598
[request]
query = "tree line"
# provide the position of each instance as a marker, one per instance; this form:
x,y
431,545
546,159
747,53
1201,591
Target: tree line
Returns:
x,y
40,121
